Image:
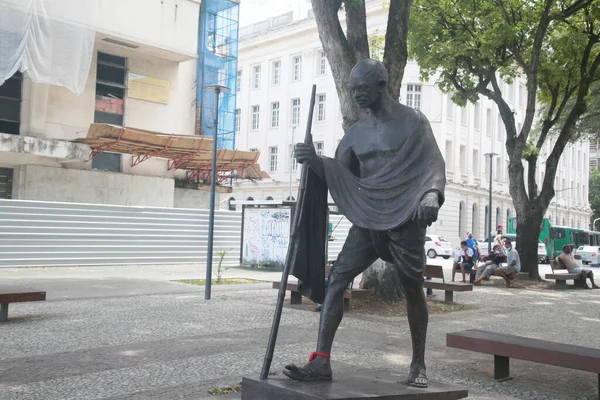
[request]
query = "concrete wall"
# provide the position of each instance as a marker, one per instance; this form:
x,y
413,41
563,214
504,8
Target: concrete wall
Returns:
x,y
33,182
190,198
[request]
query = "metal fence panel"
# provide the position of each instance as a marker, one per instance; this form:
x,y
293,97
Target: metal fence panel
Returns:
x,y
39,234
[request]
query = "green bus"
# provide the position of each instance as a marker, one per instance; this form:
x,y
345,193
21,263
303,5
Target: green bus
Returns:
x,y
555,237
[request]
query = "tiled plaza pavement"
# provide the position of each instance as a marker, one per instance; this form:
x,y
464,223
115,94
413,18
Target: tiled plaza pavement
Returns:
x,y
136,338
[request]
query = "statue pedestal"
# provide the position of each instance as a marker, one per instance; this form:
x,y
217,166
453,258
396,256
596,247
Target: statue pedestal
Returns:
x,y
373,386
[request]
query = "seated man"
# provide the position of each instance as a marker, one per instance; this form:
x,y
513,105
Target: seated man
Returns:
x,y
466,264
566,261
513,264
492,263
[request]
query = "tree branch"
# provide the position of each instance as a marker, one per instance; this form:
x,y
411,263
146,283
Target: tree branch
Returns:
x,y
340,55
396,51
356,29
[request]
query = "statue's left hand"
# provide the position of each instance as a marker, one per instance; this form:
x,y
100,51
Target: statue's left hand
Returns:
x,y
428,209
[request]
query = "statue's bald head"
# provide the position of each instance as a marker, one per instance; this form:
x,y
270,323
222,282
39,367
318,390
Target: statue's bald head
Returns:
x,y
368,80
370,69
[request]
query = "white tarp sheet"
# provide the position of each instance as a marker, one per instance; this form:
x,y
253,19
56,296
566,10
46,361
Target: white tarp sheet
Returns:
x,y
53,40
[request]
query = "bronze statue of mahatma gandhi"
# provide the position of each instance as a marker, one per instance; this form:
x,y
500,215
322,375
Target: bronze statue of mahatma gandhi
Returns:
x,y
388,178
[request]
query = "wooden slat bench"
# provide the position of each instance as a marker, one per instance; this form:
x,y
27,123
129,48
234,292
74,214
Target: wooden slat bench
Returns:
x,y
436,272
349,294
561,276
504,347
10,294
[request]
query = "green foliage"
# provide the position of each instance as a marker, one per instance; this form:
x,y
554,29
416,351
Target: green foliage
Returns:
x,y
221,254
594,193
530,151
376,45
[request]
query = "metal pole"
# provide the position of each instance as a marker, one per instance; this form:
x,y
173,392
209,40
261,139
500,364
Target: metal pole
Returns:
x,y
213,178
490,208
292,164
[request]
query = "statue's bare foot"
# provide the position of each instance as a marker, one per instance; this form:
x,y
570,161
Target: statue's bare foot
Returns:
x,y
417,377
317,370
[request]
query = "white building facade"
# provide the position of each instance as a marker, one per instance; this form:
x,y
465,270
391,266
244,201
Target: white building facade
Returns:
x,y
281,58
133,39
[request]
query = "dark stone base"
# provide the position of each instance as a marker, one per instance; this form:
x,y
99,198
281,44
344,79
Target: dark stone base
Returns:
x,y
375,386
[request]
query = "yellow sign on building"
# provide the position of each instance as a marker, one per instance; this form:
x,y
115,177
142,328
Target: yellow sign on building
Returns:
x,y
150,89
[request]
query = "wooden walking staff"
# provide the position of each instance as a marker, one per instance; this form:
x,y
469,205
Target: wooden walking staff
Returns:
x,y
308,139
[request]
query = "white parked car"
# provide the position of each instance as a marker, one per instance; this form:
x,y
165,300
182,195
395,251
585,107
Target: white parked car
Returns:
x,y
589,254
437,246
542,257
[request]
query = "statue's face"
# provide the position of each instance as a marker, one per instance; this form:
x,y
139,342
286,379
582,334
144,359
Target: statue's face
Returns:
x,y
366,90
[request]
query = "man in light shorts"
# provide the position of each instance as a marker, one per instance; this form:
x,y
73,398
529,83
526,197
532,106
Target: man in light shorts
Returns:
x,y
566,261
513,264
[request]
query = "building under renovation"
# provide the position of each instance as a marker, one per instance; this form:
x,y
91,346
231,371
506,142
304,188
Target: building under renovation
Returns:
x,y
145,75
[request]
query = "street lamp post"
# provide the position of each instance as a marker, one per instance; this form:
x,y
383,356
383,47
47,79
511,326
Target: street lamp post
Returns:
x,y
217,89
556,203
491,156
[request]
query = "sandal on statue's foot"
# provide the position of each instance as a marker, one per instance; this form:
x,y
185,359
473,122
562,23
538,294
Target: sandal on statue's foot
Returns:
x,y
418,382
302,374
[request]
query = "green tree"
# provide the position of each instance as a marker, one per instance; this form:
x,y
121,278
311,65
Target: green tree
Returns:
x,y
343,49
594,194
474,44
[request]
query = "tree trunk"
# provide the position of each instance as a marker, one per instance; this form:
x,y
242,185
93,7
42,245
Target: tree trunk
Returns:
x,y
528,233
383,280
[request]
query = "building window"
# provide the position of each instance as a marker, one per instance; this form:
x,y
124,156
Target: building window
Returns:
x,y
275,115
293,161
238,119
276,73
463,159
272,159
297,75
107,162
499,171
320,148
295,111
322,63
487,168
489,124
110,89
239,80
321,108
10,105
255,117
256,77
464,115
6,178
450,108
477,116
500,128
413,96
476,163
449,161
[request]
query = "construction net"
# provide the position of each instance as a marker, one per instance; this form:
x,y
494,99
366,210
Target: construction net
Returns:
x,y
53,40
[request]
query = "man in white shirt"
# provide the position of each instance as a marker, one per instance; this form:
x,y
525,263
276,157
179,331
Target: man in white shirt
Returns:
x,y
464,261
513,264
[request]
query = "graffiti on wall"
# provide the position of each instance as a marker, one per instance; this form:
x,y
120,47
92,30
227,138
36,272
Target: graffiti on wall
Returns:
x,y
266,236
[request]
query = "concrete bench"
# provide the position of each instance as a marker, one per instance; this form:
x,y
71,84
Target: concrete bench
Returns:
x,y
436,272
504,347
349,294
17,295
561,276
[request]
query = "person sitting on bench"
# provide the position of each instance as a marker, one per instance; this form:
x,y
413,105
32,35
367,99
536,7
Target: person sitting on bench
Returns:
x,y
513,267
467,261
492,263
566,261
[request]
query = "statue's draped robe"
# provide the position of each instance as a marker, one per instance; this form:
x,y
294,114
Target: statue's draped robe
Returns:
x,y
383,201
